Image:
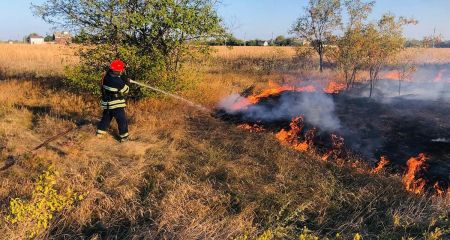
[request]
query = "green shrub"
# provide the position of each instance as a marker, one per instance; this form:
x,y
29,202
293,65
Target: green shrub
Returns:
x,y
34,215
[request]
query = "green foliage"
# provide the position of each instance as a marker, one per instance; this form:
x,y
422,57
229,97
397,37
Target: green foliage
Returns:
x,y
317,24
368,46
35,214
307,235
352,49
78,80
49,38
154,38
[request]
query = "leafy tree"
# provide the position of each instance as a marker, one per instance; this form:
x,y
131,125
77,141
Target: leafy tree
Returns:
x,y
351,46
154,37
233,41
383,41
405,67
280,41
48,38
432,41
255,42
413,43
317,23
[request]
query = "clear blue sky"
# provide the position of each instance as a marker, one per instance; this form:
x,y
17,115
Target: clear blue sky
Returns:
x,y
253,18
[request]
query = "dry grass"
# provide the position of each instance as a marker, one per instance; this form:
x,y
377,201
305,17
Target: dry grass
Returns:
x,y
428,55
188,175
24,60
252,52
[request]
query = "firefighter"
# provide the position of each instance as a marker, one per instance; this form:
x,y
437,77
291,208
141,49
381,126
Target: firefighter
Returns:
x,y
115,86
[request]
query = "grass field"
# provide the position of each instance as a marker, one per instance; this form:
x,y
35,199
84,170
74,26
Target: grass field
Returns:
x,y
186,175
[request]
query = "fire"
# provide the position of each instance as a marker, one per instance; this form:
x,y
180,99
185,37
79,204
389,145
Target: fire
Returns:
x,y
415,166
337,148
381,164
392,75
440,75
252,128
290,137
275,89
334,87
439,190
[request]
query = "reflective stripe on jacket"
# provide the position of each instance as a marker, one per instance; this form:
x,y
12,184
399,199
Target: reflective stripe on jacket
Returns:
x,y
114,89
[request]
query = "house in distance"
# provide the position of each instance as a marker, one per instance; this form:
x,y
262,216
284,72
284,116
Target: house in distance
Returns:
x,y
36,39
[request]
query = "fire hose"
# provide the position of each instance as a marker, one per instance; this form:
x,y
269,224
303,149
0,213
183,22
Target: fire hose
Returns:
x,y
198,106
11,160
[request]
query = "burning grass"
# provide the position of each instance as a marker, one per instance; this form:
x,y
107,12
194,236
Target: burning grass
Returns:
x,y
191,176
356,126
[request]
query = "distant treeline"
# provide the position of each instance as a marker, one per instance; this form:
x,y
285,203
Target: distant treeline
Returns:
x,y
426,43
292,41
278,41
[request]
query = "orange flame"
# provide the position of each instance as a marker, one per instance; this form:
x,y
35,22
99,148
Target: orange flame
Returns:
x,y
252,128
290,137
440,75
336,147
381,164
391,75
275,89
439,191
334,87
414,166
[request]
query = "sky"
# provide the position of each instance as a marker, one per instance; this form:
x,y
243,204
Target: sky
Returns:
x,y
250,19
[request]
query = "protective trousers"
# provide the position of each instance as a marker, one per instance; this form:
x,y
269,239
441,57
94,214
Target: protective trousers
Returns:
x,y
120,116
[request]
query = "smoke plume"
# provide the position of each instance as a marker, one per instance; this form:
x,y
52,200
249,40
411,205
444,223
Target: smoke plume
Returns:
x,y
317,108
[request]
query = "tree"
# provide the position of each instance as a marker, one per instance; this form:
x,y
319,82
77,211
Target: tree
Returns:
x,y
280,41
154,37
233,41
383,41
255,42
405,65
319,20
351,53
48,38
431,41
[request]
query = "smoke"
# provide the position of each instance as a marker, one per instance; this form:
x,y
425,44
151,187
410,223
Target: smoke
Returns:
x,y
227,104
317,108
428,83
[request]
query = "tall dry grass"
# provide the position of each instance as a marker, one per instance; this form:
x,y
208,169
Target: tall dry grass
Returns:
x,y
24,60
188,175
251,52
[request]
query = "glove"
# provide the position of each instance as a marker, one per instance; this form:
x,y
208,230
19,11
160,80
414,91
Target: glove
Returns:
x,y
126,79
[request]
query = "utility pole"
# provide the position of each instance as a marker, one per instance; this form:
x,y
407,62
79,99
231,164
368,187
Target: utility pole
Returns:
x,y
434,36
271,41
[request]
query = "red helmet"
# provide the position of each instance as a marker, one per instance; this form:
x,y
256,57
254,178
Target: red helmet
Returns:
x,y
117,65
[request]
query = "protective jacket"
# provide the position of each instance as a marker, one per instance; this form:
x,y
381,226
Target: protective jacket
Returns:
x,y
114,88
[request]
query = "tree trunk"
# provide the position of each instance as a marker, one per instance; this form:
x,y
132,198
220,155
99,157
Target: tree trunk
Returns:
x,y
321,59
371,72
353,78
347,79
399,86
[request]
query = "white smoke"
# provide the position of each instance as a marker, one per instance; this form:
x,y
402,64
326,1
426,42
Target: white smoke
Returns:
x,y
423,85
228,102
317,108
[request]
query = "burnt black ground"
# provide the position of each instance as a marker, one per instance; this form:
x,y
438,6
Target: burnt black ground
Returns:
x,y
396,127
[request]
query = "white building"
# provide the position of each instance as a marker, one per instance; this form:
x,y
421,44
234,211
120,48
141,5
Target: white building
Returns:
x,y
36,39
266,44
